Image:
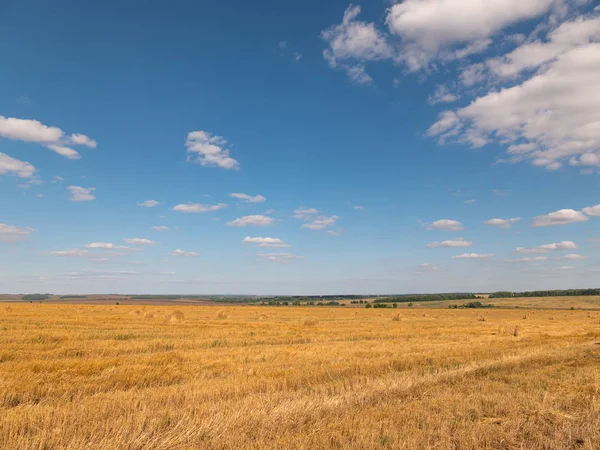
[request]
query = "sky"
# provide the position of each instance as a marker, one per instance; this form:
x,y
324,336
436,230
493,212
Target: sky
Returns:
x,y
185,147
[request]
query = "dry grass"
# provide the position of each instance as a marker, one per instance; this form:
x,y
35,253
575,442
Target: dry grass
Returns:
x,y
568,302
115,377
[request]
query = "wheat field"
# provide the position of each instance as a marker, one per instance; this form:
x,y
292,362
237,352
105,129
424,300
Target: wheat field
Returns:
x,y
135,377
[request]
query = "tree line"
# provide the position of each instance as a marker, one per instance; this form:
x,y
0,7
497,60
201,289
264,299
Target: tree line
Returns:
x,y
553,293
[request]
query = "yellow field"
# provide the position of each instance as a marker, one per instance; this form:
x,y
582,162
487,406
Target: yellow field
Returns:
x,y
133,377
584,302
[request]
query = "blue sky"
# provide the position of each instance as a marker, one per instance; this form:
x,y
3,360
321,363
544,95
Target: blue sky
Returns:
x,y
421,146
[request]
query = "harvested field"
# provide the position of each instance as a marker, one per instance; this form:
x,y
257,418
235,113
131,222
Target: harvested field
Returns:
x,y
173,377
567,302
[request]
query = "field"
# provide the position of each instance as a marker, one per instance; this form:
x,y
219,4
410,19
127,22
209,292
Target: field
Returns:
x,y
181,377
584,302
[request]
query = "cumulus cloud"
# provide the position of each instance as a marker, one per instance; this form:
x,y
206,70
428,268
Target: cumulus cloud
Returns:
x,y
526,260
9,233
563,245
473,256
248,198
548,117
561,217
353,42
180,252
139,241
148,203
278,257
209,150
502,223
257,220
82,139
446,225
426,267
81,194
53,138
106,246
442,95
530,55
592,210
160,228
9,165
70,253
305,213
458,242
62,150
320,222
264,242
423,30
572,257
198,208
428,26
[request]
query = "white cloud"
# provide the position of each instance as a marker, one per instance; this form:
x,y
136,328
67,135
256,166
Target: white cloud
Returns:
x,y
20,168
335,232
592,210
28,130
148,203
160,228
305,213
254,220
502,223
531,55
278,257
282,44
180,252
57,179
358,75
572,257
353,42
198,208
297,56
561,217
361,208
139,241
442,95
563,245
9,233
526,260
54,138
81,194
426,267
427,26
548,119
82,139
446,225
248,198
265,242
106,246
209,150
29,183
470,202
473,256
458,242
70,253
353,39
64,151
320,222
